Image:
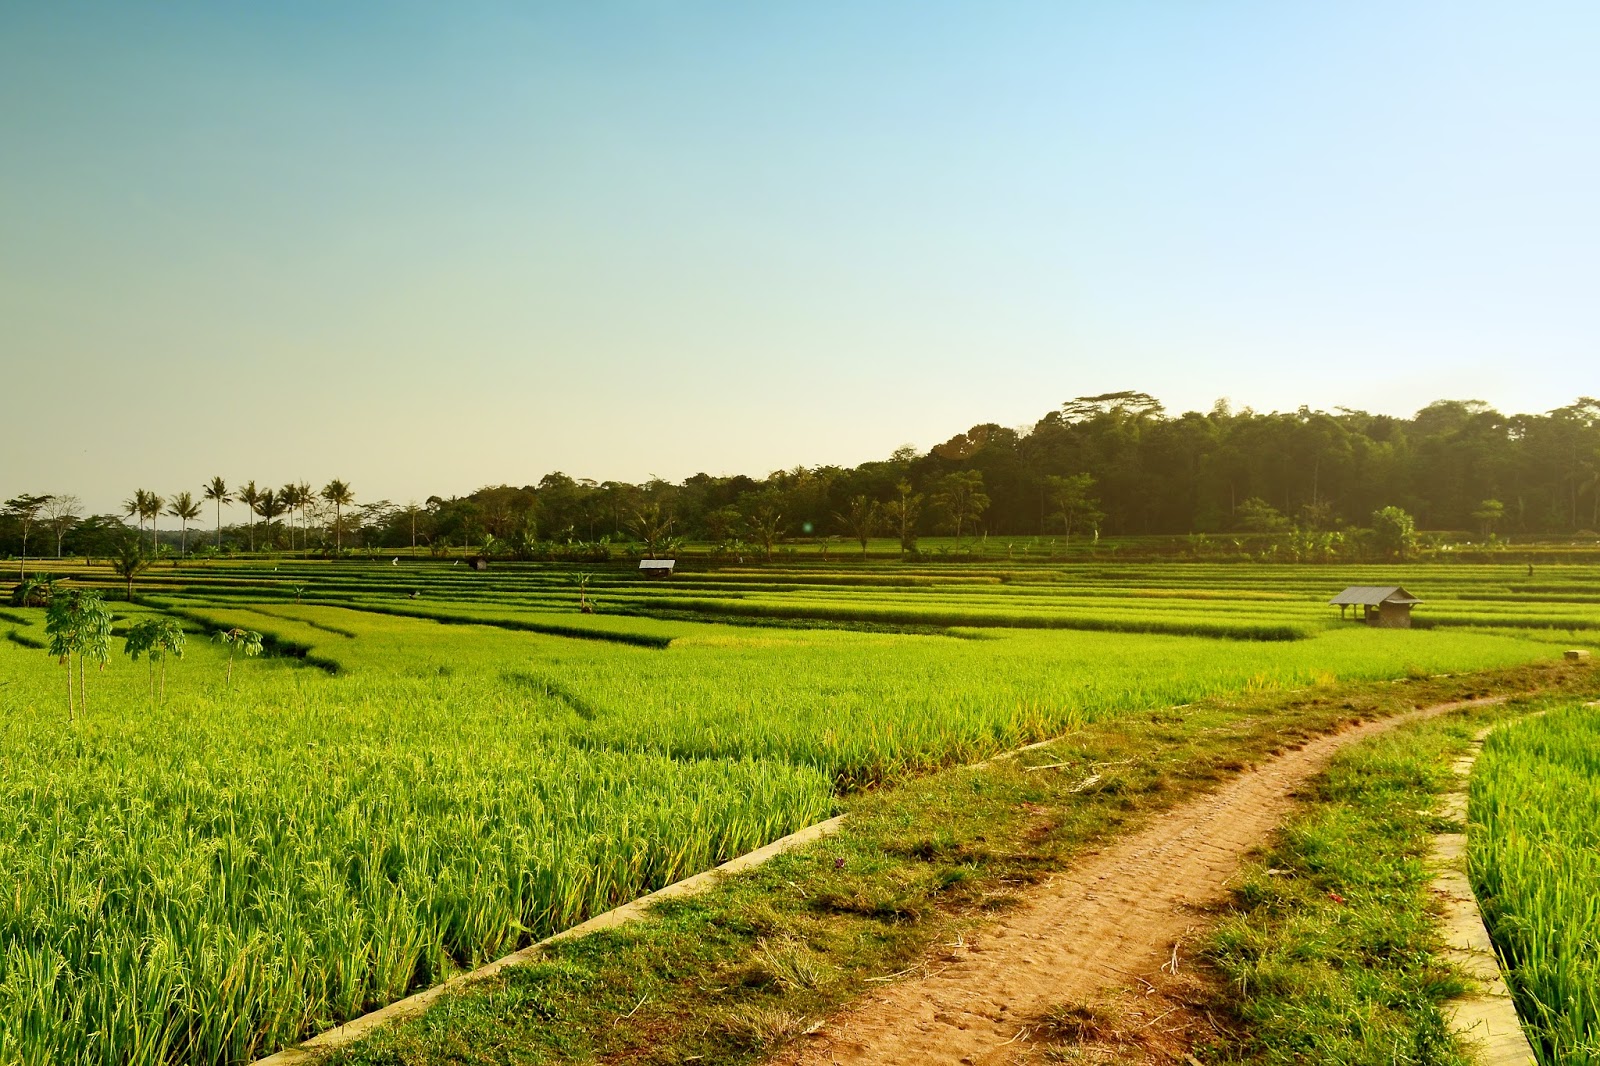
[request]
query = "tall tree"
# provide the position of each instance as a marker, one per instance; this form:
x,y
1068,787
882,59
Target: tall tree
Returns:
x,y
902,512
289,496
961,497
338,493
61,513
861,517
185,509
269,505
24,510
1074,502
153,503
216,490
1394,533
764,519
653,526
250,496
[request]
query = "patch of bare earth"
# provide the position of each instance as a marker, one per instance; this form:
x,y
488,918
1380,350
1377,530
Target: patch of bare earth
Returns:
x,y
1089,967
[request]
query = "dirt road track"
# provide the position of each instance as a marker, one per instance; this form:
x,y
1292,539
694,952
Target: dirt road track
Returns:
x,y
1106,922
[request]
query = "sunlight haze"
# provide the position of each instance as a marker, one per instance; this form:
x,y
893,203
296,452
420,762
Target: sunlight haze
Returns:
x,y
426,248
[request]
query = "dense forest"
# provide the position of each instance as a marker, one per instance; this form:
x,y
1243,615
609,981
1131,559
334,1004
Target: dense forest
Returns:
x,y
1116,464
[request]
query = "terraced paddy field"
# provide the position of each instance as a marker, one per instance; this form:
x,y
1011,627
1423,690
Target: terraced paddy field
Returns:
x,y
434,765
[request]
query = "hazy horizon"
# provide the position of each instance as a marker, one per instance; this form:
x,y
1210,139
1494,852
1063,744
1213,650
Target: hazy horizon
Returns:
x,y
429,249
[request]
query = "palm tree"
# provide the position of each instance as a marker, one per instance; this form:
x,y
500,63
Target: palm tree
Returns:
x,y
134,507
185,510
153,504
307,498
129,563
218,490
338,493
145,506
289,496
250,496
269,506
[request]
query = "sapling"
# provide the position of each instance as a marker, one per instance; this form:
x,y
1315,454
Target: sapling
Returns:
x,y
247,641
155,638
79,624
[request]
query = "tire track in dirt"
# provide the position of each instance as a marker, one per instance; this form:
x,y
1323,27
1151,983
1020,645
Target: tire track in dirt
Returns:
x,y
1112,918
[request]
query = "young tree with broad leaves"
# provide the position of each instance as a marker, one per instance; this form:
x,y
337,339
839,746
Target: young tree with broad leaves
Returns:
x,y
245,641
156,639
79,626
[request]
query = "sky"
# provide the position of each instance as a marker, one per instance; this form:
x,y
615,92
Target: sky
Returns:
x,y
427,247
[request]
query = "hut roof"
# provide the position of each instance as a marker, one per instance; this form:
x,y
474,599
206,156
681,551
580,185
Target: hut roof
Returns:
x,y
1372,595
657,564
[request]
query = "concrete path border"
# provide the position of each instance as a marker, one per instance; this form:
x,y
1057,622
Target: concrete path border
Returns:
x,y
1485,1018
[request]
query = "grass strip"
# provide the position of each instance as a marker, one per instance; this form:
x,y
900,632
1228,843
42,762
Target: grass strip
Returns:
x,y
1331,951
732,975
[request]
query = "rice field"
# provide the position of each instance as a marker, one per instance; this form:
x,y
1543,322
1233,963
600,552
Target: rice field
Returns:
x,y
434,766
1535,863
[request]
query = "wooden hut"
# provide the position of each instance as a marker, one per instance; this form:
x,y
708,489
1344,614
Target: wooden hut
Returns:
x,y
1381,606
657,567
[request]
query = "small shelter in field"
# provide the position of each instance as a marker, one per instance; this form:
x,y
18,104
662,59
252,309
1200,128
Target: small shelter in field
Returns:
x,y
657,567
1382,606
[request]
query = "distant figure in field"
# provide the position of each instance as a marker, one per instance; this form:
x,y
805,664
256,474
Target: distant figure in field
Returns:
x,y
395,561
416,594
1530,569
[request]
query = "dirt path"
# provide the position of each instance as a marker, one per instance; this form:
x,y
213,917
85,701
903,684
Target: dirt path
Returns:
x,y
1111,920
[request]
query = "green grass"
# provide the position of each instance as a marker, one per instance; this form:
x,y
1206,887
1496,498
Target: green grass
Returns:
x,y
1332,953
1535,863
733,975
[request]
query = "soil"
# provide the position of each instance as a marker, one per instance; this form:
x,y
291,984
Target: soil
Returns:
x,y
1094,955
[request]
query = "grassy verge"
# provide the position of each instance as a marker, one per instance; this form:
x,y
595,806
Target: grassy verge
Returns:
x,y
1332,952
734,974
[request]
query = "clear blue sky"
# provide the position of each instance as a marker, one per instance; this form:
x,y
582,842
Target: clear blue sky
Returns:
x,y
426,247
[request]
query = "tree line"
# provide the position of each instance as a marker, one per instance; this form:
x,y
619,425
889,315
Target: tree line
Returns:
x,y
1115,464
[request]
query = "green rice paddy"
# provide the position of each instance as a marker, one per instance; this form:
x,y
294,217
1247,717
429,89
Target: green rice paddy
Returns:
x,y
438,765
1535,862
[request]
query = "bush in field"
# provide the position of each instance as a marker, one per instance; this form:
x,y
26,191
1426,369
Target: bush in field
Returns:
x,y
1394,533
36,591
